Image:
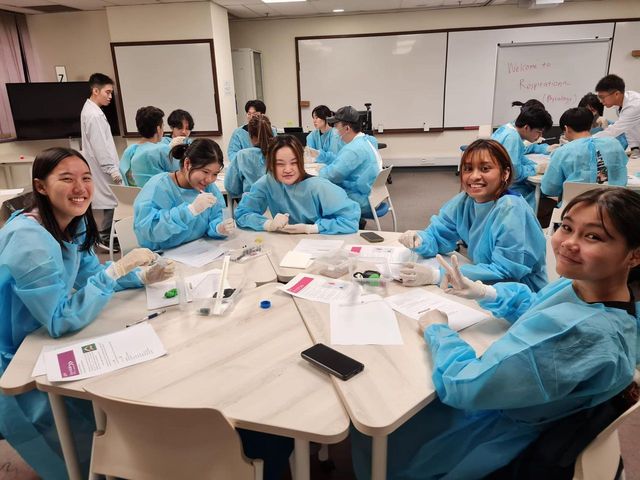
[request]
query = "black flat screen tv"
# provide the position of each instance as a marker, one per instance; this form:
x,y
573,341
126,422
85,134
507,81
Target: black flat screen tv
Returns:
x,y
45,110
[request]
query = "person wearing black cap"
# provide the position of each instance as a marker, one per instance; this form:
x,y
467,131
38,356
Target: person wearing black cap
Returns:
x,y
357,164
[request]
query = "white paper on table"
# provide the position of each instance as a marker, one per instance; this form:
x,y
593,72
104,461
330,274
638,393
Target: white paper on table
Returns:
x,y
99,355
195,254
319,289
40,368
294,259
368,322
633,180
393,254
417,302
199,285
11,191
318,248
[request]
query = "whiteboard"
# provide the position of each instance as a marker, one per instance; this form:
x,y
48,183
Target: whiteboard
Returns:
x,y
552,72
402,76
168,75
471,66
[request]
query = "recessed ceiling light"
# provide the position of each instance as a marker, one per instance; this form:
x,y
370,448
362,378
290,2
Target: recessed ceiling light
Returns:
x,y
338,10
282,1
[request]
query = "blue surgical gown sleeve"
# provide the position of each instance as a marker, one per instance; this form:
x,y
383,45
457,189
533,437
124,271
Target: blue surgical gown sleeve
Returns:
x,y
249,213
90,266
442,234
233,180
339,168
511,141
125,165
326,157
313,140
617,166
215,213
339,214
512,301
539,148
554,177
236,143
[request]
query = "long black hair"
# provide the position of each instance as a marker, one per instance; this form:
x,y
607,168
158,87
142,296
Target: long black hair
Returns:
x,y
45,162
201,152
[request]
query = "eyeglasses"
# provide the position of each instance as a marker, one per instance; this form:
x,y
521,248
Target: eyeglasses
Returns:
x,y
602,97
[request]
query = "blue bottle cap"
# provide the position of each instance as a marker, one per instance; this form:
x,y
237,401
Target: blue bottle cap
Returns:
x,y
265,304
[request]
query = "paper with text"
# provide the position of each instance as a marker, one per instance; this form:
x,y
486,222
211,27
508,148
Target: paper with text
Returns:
x,y
195,254
320,289
317,248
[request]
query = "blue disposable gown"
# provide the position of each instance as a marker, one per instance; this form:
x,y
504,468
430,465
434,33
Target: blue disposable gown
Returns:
x,y
560,355
163,220
125,165
577,161
240,139
622,138
354,168
62,290
245,170
314,200
151,159
539,148
504,239
329,141
508,136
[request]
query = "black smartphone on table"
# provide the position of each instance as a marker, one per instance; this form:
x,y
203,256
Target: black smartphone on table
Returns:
x,y
332,361
371,237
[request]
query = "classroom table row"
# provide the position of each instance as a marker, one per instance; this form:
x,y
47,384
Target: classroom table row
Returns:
x,y
247,362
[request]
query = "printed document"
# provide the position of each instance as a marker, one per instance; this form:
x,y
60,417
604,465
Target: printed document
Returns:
x,y
320,289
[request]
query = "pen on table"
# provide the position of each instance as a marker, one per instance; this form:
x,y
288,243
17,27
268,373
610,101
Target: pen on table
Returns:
x,y
148,317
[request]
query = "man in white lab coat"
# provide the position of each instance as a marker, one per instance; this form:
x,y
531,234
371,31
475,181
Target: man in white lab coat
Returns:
x,y
99,150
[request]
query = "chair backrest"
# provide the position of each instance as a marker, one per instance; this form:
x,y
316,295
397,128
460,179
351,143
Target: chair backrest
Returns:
x,y
126,196
379,191
570,190
126,236
152,442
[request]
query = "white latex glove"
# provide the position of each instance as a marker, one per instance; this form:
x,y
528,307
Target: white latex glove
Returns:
x,y
176,141
414,274
410,239
553,148
116,177
635,153
310,154
226,227
301,228
202,202
158,272
432,317
137,257
277,223
457,284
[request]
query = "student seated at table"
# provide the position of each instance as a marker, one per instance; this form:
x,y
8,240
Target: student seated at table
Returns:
x,y
178,207
591,102
529,125
324,138
51,278
181,124
504,239
240,138
570,347
298,202
539,148
143,160
584,159
249,164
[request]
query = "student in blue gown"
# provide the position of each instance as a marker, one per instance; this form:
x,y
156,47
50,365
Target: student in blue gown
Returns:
x,y
504,239
51,278
178,207
298,202
240,138
181,124
584,159
357,164
529,126
324,138
142,161
570,347
595,106
541,148
249,164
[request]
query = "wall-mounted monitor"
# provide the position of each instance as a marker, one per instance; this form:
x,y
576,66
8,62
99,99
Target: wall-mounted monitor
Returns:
x,y
46,110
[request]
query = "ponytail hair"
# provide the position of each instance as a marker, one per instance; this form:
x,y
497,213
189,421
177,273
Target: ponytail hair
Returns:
x,y
531,103
260,128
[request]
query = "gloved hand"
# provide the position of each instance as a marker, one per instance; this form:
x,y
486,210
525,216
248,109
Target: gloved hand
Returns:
x,y
310,154
226,227
277,223
410,239
301,228
135,258
176,141
457,284
635,153
553,148
432,317
541,167
116,178
202,202
414,274
158,272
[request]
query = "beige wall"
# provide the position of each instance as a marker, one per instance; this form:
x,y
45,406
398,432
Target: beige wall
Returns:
x,y
276,40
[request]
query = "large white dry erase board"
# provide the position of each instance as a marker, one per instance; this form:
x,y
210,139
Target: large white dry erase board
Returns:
x,y
402,76
552,72
471,66
168,75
